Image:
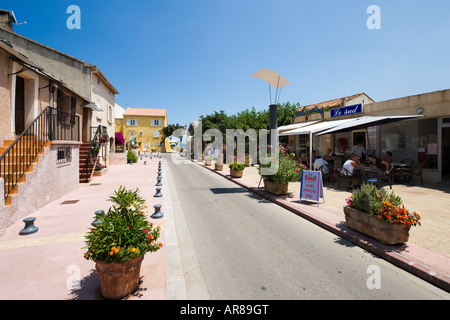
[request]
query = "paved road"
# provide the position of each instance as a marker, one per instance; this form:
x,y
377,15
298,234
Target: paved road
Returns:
x,y
235,245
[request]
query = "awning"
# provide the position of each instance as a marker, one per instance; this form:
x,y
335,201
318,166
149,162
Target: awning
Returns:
x,y
92,106
314,128
295,126
364,122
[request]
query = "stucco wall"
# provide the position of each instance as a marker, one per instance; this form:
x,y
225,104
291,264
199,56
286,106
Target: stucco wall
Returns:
x,y
144,126
62,66
47,182
5,96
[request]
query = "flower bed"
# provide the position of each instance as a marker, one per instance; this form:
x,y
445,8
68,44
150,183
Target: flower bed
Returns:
x,y
380,215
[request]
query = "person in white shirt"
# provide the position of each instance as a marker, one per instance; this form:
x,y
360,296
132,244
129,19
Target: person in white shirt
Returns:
x,y
359,150
320,162
350,166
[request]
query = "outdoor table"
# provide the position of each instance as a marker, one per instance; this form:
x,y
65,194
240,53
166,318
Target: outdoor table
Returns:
x,y
400,167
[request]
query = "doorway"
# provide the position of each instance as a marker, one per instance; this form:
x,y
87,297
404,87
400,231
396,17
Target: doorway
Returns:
x,y
19,112
445,143
359,136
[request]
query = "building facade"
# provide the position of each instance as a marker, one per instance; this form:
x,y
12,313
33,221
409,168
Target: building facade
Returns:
x,y
142,125
424,138
40,136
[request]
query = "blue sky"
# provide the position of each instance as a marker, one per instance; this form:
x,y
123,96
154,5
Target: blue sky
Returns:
x,y
196,56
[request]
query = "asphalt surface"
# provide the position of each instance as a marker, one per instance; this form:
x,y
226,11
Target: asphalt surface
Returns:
x,y
248,247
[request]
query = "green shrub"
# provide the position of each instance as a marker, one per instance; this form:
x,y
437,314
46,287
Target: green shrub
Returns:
x,y
131,157
236,166
289,170
370,199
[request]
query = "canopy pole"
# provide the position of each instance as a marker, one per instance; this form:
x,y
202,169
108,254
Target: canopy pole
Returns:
x,y
310,150
368,140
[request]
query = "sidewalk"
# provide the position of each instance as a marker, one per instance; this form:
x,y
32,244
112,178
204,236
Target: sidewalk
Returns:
x,y
426,254
46,265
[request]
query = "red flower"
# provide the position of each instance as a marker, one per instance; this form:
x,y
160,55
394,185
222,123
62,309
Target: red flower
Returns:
x,y
145,230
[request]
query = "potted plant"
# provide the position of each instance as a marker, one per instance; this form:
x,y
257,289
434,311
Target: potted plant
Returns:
x,y
119,242
218,164
236,169
289,170
100,169
208,160
380,215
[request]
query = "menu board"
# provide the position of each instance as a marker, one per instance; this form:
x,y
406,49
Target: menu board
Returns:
x,y
311,187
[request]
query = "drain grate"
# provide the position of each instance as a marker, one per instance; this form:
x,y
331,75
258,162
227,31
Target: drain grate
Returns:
x,y
70,201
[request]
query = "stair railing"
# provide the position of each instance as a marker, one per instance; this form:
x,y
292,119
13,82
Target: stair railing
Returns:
x,y
95,143
51,124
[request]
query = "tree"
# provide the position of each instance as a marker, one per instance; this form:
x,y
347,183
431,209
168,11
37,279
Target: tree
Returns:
x,y
169,130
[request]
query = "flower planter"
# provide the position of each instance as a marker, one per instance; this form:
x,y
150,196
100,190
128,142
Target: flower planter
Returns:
x,y
277,189
368,224
218,166
236,173
101,172
118,280
208,162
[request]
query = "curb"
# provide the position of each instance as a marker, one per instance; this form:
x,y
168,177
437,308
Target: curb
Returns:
x,y
416,268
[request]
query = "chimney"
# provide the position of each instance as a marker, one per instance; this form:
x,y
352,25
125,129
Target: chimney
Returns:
x,y
6,20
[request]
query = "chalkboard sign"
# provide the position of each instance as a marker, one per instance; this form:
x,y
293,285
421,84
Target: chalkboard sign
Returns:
x,y
311,187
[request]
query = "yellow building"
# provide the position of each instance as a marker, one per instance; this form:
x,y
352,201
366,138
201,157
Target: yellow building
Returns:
x,y
143,125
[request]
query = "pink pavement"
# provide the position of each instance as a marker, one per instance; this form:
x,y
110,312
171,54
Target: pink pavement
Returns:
x,y
47,265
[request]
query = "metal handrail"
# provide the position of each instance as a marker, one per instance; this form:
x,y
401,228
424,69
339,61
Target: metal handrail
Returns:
x,y
49,125
95,140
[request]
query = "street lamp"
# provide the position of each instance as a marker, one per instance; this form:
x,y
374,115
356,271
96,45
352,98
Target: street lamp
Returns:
x,y
276,81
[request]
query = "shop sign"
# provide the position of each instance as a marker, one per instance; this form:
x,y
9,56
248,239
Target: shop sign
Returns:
x,y
311,187
347,111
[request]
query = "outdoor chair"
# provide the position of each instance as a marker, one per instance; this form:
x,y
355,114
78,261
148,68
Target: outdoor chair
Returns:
x,y
372,176
388,176
344,175
416,171
328,175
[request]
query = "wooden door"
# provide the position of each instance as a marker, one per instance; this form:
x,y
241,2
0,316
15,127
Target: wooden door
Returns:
x,y
20,106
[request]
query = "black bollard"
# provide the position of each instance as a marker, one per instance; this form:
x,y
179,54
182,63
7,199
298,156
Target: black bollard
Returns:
x,y
98,215
158,213
158,193
30,228
159,181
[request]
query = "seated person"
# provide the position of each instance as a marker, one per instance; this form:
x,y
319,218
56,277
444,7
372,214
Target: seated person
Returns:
x,y
320,162
376,162
388,157
304,159
350,165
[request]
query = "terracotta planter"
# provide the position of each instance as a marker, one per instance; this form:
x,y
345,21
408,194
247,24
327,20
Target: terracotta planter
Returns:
x,y
236,173
118,280
277,189
218,167
372,226
208,162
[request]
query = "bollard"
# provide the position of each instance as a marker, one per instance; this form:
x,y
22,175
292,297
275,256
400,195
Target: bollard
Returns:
x,y
159,181
158,193
158,213
30,228
145,163
98,215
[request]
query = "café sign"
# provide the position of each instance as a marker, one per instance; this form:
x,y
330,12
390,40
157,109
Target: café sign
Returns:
x,y
346,111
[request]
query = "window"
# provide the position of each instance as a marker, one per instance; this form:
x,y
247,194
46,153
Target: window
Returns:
x,y
110,114
156,134
156,122
132,122
64,155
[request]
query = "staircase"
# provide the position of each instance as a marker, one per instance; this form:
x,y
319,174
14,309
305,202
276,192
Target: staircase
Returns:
x,y
14,168
89,154
86,167
18,157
